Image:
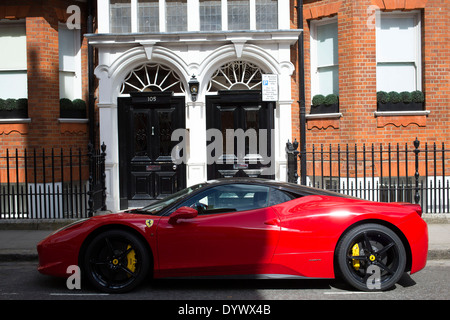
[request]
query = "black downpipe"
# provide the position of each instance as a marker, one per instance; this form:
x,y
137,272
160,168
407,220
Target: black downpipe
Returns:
x,y
91,102
301,64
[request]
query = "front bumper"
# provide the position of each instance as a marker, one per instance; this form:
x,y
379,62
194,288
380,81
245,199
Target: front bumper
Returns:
x,y
416,232
59,251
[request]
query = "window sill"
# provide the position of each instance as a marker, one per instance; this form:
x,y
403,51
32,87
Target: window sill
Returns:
x,y
16,120
73,126
401,113
323,121
324,116
401,118
73,120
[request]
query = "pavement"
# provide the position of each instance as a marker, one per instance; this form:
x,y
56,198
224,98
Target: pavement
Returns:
x,y
18,239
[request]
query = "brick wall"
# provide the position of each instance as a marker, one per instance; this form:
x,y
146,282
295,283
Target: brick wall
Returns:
x,y
357,75
44,130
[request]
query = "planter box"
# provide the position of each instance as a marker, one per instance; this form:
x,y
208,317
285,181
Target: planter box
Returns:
x,y
400,106
14,114
323,108
77,114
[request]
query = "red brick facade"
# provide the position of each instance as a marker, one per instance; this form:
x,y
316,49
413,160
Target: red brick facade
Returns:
x,y
44,130
357,75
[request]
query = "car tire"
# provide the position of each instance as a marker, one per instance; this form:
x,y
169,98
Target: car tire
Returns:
x,y
116,261
371,257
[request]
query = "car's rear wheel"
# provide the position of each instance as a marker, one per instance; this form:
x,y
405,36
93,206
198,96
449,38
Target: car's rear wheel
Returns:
x,y
371,257
116,261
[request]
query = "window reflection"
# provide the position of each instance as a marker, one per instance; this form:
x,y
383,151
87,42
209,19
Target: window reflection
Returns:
x,y
120,16
210,15
238,14
266,14
176,15
148,15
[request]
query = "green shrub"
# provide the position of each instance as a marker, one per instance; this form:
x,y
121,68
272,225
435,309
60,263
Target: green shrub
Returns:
x,y
318,99
406,96
65,104
417,96
14,104
79,104
331,99
382,97
22,104
394,97
10,104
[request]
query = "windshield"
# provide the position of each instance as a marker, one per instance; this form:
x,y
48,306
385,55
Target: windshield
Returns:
x,y
161,204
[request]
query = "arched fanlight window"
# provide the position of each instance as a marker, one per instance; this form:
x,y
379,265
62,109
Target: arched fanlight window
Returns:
x,y
236,75
152,78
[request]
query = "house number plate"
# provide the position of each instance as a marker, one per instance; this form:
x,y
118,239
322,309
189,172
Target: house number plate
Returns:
x,y
152,168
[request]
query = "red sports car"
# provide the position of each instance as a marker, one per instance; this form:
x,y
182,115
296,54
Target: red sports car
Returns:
x,y
237,227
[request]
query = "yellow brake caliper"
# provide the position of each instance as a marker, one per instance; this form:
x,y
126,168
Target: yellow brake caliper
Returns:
x,y
131,258
355,252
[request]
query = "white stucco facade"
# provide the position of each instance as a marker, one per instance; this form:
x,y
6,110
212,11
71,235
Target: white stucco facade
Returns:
x,y
190,53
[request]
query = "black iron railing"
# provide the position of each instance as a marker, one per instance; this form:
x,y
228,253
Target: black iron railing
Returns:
x,y
52,184
388,173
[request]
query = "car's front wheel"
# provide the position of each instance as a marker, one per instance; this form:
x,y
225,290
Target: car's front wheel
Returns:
x,y
116,261
371,257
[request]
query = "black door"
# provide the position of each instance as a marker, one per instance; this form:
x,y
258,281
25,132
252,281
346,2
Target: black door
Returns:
x,y
245,111
147,169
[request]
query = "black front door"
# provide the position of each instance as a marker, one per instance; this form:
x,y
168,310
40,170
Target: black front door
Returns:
x,y
248,121
147,169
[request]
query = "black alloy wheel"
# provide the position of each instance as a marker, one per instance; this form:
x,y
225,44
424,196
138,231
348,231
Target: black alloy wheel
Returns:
x,y
371,257
116,261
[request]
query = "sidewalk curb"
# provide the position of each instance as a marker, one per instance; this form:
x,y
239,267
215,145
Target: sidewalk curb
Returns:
x,y
18,257
438,254
34,224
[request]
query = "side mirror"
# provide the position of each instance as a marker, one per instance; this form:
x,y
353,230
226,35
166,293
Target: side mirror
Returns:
x,y
182,213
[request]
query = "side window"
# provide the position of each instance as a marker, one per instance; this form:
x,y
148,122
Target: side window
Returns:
x,y
278,196
229,198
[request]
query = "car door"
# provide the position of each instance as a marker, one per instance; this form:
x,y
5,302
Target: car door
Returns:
x,y
235,232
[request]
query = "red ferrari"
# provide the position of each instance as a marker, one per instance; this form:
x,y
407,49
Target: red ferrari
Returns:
x,y
237,227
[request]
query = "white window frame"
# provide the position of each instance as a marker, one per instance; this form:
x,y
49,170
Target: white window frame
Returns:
x,y
76,71
315,85
16,69
135,16
417,60
188,2
253,14
193,15
221,14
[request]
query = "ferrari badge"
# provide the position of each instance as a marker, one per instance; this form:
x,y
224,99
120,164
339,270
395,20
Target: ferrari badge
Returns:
x,y
149,223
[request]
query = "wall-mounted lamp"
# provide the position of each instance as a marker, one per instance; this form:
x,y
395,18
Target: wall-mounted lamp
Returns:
x,y
193,87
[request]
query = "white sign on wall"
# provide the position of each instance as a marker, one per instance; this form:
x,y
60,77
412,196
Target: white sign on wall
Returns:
x,y
270,87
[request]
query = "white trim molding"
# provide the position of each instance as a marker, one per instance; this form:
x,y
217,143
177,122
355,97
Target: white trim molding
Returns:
x,y
401,113
324,116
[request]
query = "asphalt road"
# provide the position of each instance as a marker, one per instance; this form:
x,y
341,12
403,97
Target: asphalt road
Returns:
x,y
21,281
